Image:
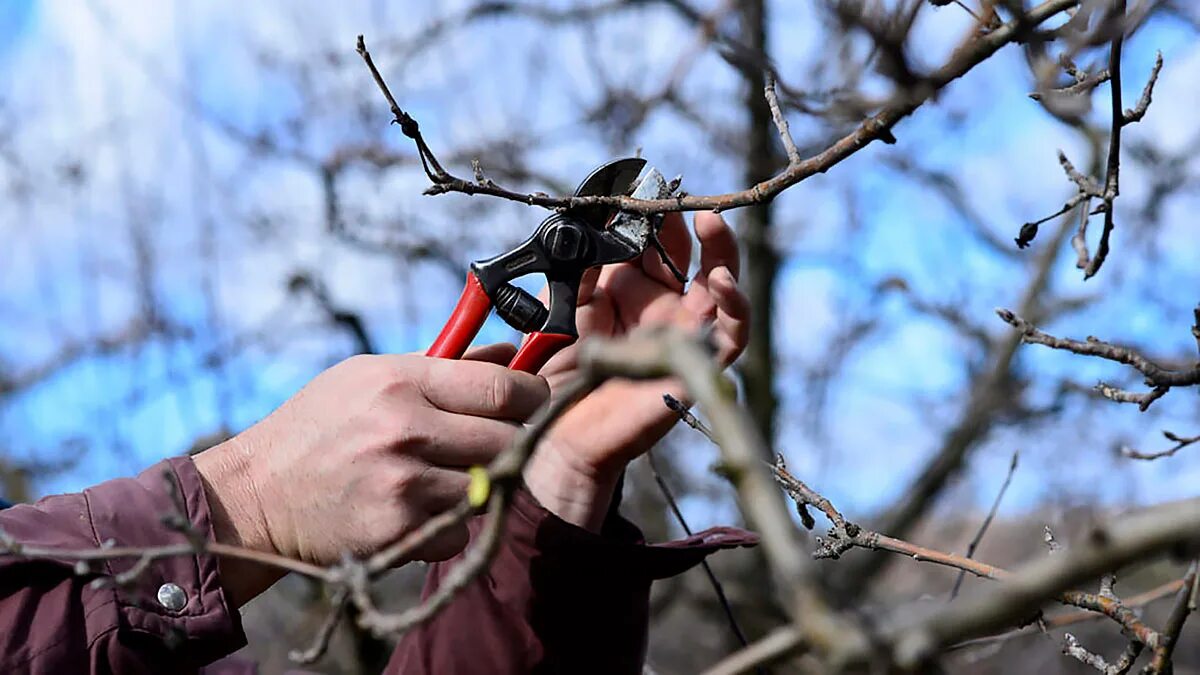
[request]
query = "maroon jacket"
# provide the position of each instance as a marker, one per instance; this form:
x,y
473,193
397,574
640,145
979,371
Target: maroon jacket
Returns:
x,y
556,599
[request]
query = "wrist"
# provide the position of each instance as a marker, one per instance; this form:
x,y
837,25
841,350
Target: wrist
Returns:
x,y
237,519
575,492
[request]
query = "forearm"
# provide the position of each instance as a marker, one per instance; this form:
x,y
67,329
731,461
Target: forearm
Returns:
x,y
53,619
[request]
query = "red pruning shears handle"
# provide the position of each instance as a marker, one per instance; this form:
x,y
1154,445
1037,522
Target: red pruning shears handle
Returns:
x,y
468,317
537,349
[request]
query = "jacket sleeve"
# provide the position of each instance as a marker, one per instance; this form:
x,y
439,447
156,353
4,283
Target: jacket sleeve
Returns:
x,y
174,616
556,599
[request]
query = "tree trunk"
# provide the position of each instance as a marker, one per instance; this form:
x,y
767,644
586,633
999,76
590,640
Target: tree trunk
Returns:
x,y
762,158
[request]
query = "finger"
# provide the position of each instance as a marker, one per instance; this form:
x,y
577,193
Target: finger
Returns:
x,y
450,440
597,317
718,244
678,245
699,303
500,353
733,314
482,389
587,286
436,489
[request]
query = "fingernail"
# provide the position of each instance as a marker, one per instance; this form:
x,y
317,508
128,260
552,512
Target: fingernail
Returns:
x,y
724,274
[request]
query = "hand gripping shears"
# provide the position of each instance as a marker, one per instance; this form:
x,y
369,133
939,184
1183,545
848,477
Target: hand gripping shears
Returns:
x,y
563,247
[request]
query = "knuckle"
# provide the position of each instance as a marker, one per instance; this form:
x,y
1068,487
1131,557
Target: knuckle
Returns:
x,y
395,378
403,369
407,484
500,392
402,428
410,432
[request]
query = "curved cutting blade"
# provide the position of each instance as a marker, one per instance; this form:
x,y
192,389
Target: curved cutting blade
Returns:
x,y
613,178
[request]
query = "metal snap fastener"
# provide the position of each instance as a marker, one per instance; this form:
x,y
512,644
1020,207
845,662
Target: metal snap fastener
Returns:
x,y
172,597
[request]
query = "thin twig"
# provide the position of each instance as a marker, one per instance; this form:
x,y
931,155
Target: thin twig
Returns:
x,y
1113,608
1185,605
10,547
718,589
1180,443
781,123
987,522
320,641
1112,183
687,417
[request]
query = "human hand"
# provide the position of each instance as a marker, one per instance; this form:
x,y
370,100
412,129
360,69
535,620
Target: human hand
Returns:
x,y
365,453
576,468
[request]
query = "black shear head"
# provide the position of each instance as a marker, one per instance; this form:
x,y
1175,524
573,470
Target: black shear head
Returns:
x,y
571,241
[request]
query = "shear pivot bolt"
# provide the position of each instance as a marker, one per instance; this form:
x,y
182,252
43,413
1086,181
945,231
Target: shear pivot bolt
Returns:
x,y
564,241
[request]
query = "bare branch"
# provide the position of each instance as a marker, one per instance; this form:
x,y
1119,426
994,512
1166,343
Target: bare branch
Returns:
x,y
1108,605
1084,84
1071,647
652,353
781,123
1112,184
320,641
1185,605
1180,443
775,645
1162,379
1142,400
1143,104
876,127
1168,527
1065,619
1087,186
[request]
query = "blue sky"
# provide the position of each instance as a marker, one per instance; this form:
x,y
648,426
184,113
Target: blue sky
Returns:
x,y
15,16
144,94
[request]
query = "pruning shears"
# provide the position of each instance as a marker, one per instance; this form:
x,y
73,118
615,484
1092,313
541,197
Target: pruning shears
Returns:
x,y
564,246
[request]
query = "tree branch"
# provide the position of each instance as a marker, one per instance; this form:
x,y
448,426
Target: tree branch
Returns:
x,y
1162,379
875,127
